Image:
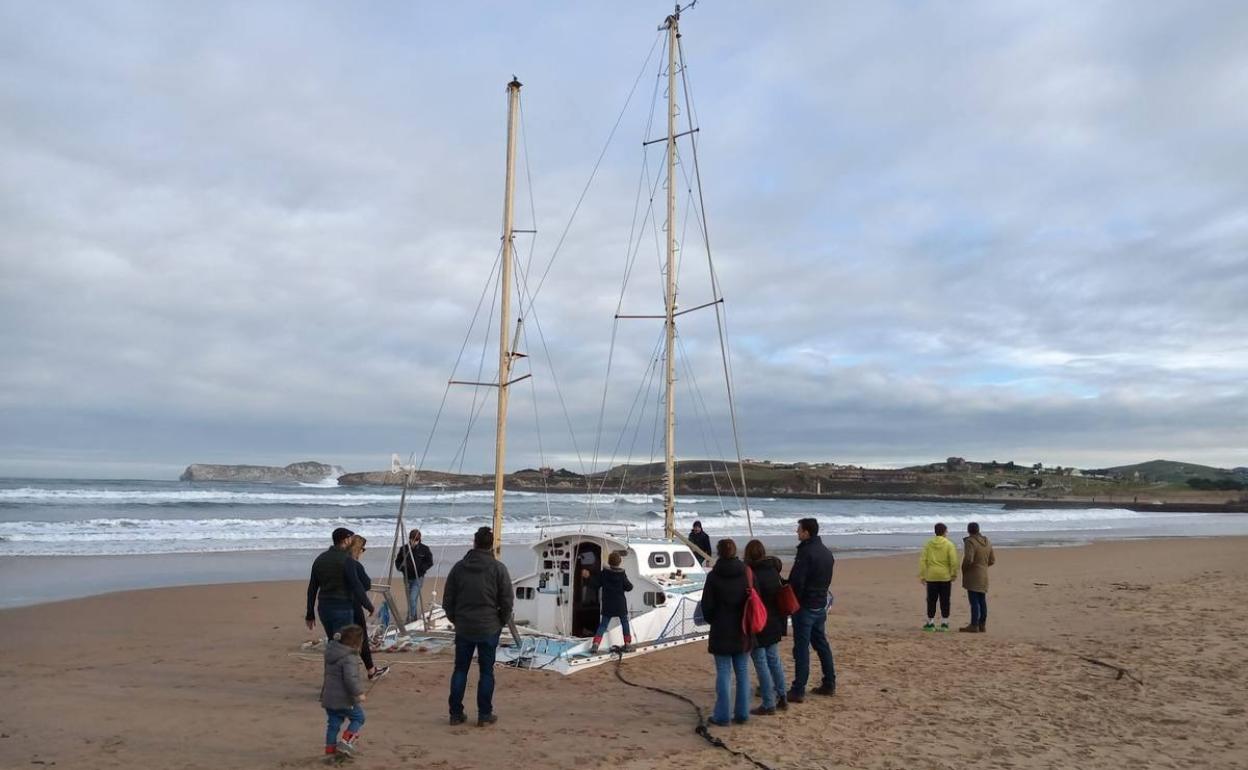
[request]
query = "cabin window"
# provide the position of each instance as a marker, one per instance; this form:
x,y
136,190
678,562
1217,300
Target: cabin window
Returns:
x,y
659,560
654,598
682,559
524,592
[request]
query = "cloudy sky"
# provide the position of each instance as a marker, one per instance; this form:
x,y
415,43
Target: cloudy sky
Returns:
x,y
258,232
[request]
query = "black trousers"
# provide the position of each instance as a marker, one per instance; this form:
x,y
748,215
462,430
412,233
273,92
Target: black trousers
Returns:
x,y
366,652
938,590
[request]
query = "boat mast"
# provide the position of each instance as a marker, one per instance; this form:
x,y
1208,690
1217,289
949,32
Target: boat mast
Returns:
x,y
505,355
669,443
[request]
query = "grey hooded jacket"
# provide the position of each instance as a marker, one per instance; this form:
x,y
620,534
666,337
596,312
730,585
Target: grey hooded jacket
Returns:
x,y
343,682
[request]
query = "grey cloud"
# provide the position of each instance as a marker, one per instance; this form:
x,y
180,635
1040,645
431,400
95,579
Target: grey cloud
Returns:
x,y
259,231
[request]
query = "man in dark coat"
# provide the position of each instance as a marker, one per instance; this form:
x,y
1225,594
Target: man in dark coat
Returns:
x,y
701,540
723,606
333,585
414,560
811,577
478,599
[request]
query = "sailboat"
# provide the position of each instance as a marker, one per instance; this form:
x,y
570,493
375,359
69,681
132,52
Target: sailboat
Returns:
x,y
555,614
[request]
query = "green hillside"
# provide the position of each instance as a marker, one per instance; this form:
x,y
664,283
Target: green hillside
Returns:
x,y
1169,471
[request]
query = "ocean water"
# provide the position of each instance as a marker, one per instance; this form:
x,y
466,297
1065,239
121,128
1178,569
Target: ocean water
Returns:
x,y
61,539
114,518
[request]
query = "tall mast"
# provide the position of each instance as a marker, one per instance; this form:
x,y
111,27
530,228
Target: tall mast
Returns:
x,y
669,443
505,356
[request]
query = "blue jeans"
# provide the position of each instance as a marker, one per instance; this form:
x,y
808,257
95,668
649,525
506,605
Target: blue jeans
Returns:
x,y
334,719
485,649
979,607
335,613
606,621
726,667
770,673
413,597
808,632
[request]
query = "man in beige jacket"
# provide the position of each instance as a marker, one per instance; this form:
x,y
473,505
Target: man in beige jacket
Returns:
x,y
977,557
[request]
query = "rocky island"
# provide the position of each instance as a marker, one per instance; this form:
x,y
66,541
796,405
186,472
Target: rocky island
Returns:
x,y
307,472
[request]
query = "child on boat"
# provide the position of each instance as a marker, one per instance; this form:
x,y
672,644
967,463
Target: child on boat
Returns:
x,y
343,690
613,582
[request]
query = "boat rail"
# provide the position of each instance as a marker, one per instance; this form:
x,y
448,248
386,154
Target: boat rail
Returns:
x,y
579,527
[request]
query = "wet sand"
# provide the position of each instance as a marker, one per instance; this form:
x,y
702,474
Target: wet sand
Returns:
x,y
212,676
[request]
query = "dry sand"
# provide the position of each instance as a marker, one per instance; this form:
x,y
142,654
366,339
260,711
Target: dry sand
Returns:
x,y
212,677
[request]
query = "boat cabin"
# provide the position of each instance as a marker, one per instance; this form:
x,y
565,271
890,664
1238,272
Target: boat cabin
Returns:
x,y
557,598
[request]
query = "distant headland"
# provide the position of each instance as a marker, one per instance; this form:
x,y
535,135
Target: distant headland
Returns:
x,y
307,472
1155,485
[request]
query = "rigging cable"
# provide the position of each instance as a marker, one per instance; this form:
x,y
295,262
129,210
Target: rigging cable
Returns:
x,y
594,173
721,315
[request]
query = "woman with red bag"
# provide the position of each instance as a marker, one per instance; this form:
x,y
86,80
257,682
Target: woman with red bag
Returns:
x,y
723,606
766,652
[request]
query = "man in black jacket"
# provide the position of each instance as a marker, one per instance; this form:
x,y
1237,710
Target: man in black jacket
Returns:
x,y
810,578
414,560
333,583
477,599
701,540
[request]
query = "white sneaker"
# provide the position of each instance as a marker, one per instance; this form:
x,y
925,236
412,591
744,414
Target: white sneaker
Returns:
x,y
346,748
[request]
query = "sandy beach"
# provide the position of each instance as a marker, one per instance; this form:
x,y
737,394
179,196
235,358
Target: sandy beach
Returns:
x,y
213,676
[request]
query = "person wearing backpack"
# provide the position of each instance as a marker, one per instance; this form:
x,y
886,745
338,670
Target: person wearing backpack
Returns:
x,y
723,605
766,652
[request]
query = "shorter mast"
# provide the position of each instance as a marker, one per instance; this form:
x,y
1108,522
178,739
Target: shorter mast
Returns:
x,y
505,355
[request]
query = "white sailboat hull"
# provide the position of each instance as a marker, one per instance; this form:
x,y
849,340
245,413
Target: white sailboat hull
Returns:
x,y
556,613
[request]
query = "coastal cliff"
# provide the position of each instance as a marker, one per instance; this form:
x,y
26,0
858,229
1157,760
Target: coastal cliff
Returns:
x,y
307,472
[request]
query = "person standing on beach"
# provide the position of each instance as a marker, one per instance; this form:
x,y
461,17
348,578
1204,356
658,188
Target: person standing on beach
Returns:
x,y
766,652
334,586
357,549
723,606
938,568
414,560
811,577
477,600
342,691
977,557
701,540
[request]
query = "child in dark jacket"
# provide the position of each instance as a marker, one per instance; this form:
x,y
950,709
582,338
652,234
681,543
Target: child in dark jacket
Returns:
x,y
614,584
343,690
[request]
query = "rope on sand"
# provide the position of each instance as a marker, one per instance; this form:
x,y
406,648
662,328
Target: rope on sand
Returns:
x,y
1122,672
702,729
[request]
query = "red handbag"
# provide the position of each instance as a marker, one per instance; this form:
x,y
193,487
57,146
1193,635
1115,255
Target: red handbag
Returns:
x,y
754,619
786,600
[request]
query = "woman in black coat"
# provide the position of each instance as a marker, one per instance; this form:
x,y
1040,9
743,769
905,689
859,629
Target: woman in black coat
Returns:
x,y
613,581
357,610
766,652
723,606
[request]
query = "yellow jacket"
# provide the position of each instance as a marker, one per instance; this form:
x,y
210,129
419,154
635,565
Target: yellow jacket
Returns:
x,y
939,560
